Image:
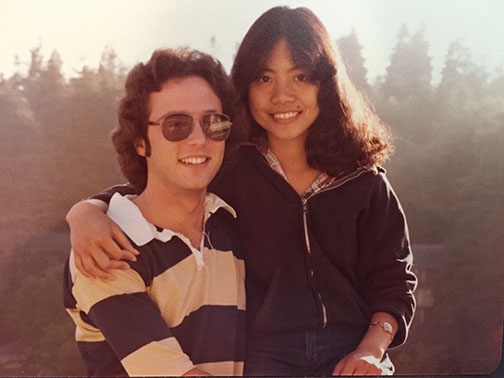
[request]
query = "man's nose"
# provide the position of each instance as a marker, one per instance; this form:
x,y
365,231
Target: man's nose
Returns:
x,y
197,135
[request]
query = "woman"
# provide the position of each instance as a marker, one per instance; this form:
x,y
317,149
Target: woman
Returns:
x,y
329,281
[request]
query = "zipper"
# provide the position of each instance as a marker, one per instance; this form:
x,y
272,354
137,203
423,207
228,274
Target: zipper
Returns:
x,y
336,184
308,249
343,180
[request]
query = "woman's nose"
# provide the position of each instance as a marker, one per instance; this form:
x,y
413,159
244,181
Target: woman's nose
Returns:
x,y
283,92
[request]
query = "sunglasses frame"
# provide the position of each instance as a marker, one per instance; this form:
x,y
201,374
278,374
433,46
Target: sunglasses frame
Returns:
x,y
203,124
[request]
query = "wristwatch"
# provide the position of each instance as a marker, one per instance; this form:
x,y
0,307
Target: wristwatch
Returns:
x,y
386,326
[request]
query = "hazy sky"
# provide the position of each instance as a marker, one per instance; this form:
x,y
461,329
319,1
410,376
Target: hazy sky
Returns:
x,y
80,30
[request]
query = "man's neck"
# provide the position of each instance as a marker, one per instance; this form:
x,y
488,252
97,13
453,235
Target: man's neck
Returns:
x,y
182,212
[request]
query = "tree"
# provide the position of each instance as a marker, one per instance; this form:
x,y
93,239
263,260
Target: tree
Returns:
x,y
409,73
19,149
450,183
55,150
350,50
407,86
87,160
462,84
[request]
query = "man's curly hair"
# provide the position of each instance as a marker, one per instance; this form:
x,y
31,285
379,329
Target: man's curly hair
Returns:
x,y
144,79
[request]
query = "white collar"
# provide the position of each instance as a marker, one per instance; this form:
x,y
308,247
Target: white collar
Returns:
x,y
131,220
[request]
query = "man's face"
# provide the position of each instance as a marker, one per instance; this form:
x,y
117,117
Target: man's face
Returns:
x,y
192,163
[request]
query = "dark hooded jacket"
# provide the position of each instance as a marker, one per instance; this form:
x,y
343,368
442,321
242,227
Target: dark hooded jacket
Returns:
x,y
332,259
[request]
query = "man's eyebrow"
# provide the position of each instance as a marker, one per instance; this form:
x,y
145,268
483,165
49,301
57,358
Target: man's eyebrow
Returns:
x,y
175,112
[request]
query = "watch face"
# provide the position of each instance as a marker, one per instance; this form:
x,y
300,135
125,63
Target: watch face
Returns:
x,y
387,327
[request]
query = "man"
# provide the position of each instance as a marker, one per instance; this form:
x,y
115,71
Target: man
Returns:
x,y
180,310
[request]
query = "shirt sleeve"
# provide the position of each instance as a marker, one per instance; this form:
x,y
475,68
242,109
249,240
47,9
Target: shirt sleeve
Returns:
x,y
131,324
107,194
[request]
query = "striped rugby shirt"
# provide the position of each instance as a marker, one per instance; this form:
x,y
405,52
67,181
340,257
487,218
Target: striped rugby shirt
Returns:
x,y
176,308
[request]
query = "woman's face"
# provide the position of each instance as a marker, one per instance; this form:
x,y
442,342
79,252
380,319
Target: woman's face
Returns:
x,y
284,100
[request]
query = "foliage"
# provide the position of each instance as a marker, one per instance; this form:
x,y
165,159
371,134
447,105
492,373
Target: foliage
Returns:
x,y
46,339
350,50
55,150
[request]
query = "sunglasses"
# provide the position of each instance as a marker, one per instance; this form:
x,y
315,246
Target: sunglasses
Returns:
x,y
178,126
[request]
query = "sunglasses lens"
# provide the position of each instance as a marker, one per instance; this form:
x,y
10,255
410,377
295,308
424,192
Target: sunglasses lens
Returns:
x,y
177,127
216,126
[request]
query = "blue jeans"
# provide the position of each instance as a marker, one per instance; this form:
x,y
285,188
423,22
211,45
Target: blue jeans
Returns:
x,y
304,352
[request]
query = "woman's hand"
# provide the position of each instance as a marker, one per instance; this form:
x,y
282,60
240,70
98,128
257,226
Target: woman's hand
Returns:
x,y
98,243
366,358
358,363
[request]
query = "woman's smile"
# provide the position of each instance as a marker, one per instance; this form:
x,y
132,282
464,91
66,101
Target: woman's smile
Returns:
x,y
283,96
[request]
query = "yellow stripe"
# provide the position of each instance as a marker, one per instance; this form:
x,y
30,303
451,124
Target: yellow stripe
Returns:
x,y
83,330
88,291
161,358
165,358
224,368
190,289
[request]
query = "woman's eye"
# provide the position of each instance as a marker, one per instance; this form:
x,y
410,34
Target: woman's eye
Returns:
x,y
264,79
301,77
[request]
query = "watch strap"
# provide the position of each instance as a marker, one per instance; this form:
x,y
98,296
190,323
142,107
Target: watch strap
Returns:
x,y
385,326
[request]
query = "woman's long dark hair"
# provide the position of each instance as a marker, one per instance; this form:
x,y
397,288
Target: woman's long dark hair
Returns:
x,y
347,133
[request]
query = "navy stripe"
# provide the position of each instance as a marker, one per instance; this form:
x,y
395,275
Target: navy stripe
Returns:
x,y
206,335
107,194
156,257
100,359
129,321
68,298
86,319
220,229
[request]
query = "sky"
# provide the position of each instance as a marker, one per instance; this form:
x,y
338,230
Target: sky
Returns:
x,y
80,30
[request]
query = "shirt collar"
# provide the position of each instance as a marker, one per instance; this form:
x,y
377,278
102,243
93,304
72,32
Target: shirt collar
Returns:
x,y
321,181
129,218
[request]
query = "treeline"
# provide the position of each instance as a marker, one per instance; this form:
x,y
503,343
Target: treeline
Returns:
x,y
55,143
448,170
